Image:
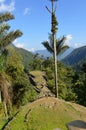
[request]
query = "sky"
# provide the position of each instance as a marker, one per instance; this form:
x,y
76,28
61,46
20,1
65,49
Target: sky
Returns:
x,y
34,20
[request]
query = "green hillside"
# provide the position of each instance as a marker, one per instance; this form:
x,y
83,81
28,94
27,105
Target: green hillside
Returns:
x,y
47,114
76,58
26,56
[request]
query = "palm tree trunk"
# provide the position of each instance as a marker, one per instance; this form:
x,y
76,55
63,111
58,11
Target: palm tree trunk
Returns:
x,y
55,66
55,58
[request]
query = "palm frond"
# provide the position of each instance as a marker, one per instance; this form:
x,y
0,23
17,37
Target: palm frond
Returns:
x,y
60,42
9,38
63,48
47,46
60,47
5,17
4,27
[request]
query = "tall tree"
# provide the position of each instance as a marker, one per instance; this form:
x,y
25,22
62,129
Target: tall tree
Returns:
x,y
55,45
53,30
60,47
6,38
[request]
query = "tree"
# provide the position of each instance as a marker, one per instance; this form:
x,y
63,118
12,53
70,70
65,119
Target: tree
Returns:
x,y
79,85
65,77
36,63
55,45
14,66
6,38
84,67
60,47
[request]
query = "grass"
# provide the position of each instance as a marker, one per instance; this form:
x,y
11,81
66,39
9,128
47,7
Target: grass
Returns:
x,y
3,120
46,119
46,114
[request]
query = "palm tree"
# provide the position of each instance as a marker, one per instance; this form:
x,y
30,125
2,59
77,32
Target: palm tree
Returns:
x,y
6,38
60,47
54,30
54,44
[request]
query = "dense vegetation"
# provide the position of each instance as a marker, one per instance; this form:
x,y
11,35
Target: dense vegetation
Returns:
x,y
27,57
15,88
71,84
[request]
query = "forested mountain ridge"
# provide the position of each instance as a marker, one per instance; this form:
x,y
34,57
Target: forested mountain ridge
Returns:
x,y
76,58
27,56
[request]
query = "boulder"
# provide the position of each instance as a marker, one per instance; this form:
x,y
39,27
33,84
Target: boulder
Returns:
x,y
76,125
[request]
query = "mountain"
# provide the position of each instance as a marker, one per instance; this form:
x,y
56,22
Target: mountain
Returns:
x,y
43,53
76,58
65,53
46,54
26,56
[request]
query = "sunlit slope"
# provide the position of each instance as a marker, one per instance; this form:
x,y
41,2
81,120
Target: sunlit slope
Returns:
x,y
76,58
47,114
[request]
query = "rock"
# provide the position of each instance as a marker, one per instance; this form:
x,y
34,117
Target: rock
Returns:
x,y
38,81
76,125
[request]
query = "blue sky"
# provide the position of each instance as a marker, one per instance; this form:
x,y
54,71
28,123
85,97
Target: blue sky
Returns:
x,y
32,18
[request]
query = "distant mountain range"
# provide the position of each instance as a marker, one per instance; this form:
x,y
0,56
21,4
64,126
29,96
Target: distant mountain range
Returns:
x,y
46,54
43,53
76,58
72,57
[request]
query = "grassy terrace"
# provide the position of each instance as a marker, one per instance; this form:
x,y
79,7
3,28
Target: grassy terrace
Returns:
x,y
47,114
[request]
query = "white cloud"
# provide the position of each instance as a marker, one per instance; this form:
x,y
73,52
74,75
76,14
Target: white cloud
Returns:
x,y
76,44
4,7
15,41
71,42
26,11
20,45
32,50
17,44
2,1
68,38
